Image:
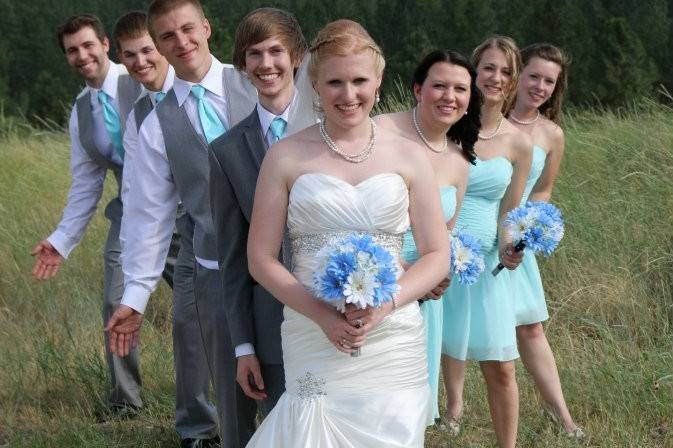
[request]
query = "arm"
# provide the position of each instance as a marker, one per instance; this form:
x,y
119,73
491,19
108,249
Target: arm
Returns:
x,y
130,148
231,232
264,241
150,213
85,192
545,184
522,153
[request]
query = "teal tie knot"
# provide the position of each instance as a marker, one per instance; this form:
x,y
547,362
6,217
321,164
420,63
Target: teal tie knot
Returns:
x,y
210,122
112,123
277,128
159,96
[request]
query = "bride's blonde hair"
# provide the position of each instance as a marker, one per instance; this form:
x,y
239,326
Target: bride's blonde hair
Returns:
x,y
342,38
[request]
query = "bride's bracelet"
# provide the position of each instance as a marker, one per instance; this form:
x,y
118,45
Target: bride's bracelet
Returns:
x,y
395,304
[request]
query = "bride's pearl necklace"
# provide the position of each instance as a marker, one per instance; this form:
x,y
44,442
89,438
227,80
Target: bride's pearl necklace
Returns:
x,y
494,133
353,158
414,118
526,122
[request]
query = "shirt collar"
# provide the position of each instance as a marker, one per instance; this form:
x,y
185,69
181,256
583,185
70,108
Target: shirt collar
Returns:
x,y
212,82
168,84
266,117
110,83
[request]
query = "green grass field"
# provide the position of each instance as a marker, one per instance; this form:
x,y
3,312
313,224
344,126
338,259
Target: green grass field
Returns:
x,y
610,294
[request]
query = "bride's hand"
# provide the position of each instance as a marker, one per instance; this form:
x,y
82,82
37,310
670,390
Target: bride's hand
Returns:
x,y
368,318
342,334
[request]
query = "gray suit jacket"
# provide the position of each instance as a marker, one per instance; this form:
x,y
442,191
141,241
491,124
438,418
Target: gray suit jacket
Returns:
x,y
253,314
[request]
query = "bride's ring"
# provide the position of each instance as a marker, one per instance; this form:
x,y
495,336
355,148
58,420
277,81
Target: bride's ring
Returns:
x,y
358,323
343,342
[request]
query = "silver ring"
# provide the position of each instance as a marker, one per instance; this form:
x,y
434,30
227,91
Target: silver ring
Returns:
x,y
358,323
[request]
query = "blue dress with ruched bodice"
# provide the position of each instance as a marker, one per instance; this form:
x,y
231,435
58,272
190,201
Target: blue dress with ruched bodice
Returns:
x,y
529,297
479,320
432,310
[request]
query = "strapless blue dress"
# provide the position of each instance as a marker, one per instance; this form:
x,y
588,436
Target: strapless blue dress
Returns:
x,y
529,300
432,310
479,320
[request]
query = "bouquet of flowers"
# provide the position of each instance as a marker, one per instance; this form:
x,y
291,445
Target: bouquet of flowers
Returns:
x,y
467,262
356,270
536,225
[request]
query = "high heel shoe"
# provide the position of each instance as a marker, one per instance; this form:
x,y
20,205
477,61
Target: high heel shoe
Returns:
x,y
577,434
450,425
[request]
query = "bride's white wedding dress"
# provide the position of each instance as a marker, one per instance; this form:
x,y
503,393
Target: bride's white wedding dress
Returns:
x,y
380,399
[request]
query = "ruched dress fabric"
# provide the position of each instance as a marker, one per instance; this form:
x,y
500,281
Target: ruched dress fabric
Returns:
x,y
333,400
479,320
432,310
529,300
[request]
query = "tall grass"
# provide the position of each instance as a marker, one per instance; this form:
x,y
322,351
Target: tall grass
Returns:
x,y
609,287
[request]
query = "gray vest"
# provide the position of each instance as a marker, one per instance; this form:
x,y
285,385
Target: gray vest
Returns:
x,y
187,154
128,90
141,109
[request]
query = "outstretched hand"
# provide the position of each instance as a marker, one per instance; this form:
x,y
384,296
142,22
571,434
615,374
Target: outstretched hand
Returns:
x,y
124,327
47,262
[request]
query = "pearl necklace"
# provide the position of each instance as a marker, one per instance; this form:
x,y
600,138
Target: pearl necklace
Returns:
x,y
526,122
353,158
497,129
422,136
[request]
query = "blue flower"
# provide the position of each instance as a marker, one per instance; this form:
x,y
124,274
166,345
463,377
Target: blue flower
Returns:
x,y
467,262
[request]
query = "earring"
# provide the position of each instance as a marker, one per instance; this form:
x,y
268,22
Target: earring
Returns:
x,y
378,98
465,112
317,106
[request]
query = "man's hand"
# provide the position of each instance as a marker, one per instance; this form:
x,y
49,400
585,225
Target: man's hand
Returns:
x,y
124,326
249,376
47,262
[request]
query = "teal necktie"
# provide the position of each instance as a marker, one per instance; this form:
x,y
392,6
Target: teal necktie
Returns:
x,y
112,123
158,97
210,122
277,129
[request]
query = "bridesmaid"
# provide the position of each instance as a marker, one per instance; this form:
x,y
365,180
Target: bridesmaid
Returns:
x,y
446,115
479,320
537,112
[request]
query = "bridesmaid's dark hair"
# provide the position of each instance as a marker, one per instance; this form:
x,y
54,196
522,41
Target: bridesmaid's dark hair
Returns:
x,y
466,130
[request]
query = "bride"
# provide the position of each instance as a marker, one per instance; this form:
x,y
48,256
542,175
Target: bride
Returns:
x,y
345,175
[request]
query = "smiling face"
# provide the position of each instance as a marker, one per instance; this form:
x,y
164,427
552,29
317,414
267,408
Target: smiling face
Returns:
x,y
444,95
269,66
87,55
347,87
537,82
494,75
143,61
182,37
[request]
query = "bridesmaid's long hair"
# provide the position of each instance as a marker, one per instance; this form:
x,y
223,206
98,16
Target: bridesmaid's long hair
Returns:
x,y
513,56
552,107
465,131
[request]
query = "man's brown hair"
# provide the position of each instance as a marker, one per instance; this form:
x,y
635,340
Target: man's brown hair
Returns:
x,y
161,7
129,26
265,23
75,23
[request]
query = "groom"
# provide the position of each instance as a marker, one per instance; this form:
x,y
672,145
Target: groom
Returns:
x,y
269,47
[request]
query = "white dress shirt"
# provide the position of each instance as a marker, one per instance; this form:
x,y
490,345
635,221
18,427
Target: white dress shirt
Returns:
x,y
266,117
150,210
131,144
87,176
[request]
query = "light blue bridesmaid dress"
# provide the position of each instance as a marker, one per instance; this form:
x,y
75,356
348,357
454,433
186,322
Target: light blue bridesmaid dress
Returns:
x,y
432,309
479,320
529,298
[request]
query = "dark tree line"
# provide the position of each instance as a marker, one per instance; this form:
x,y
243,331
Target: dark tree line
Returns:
x,y
620,49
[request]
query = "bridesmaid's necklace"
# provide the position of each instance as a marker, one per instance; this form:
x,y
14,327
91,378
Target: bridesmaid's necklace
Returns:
x,y
353,158
422,136
494,133
526,122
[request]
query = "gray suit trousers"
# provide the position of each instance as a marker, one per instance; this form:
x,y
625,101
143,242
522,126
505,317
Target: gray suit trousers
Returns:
x,y
124,372
195,415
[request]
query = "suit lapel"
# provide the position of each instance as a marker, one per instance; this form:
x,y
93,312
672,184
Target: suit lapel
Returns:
x,y
254,141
